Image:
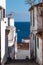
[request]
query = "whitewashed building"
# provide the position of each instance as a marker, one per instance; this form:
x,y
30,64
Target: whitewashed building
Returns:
x,y
12,41
2,30
8,36
4,43
3,40
36,26
39,46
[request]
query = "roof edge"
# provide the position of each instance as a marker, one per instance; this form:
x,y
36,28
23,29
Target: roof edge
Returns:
x,y
36,5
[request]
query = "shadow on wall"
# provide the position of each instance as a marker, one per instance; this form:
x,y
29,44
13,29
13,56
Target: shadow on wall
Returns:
x,y
6,51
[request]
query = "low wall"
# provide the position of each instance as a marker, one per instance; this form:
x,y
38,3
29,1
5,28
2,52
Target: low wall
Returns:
x,y
22,54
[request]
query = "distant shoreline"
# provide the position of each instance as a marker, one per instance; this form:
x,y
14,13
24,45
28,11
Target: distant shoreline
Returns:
x,y
22,21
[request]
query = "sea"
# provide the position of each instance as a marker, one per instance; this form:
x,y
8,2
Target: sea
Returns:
x,y
22,29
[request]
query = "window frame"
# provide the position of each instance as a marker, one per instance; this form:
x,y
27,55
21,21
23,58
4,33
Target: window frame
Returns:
x,y
31,17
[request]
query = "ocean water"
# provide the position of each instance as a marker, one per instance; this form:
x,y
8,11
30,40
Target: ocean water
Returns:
x,y
22,29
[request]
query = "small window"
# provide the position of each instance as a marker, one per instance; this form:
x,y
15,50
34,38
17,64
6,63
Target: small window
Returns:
x,y
3,13
8,21
33,36
33,19
37,42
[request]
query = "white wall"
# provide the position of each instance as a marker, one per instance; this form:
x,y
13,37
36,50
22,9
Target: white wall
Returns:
x,y
39,52
11,21
32,28
3,3
39,24
6,21
32,45
11,39
21,54
10,35
3,58
37,19
15,42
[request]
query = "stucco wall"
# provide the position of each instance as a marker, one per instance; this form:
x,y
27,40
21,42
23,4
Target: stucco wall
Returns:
x,y
10,35
35,20
12,22
33,29
32,45
6,21
39,18
12,41
15,42
3,57
39,52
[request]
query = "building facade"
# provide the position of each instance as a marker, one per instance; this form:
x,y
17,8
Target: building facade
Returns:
x,y
2,29
8,36
36,26
12,41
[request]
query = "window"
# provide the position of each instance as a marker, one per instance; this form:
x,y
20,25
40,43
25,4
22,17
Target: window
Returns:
x,y
3,13
33,18
8,21
37,42
33,37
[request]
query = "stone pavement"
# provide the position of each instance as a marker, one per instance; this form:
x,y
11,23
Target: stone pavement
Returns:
x,y
21,62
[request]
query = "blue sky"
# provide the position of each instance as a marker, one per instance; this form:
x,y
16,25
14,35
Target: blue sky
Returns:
x,y
19,8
